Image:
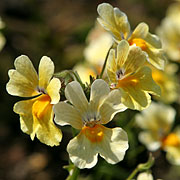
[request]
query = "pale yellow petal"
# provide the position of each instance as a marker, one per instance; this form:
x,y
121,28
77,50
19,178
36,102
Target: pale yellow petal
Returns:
x,y
66,114
23,80
47,132
19,85
82,152
173,155
75,94
153,40
135,91
140,31
46,71
107,20
157,117
114,21
53,90
24,109
24,66
122,23
151,142
111,66
146,83
114,145
156,57
122,53
111,106
135,98
135,60
99,90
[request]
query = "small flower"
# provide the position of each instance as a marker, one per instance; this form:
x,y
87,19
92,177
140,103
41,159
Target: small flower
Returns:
x,y
126,71
116,22
89,118
36,114
168,31
168,82
157,121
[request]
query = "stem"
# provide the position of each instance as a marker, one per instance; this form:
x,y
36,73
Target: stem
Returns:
x,y
133,173
105,62
77,78
74,175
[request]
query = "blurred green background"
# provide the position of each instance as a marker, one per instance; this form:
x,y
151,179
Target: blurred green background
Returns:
x,y
58,29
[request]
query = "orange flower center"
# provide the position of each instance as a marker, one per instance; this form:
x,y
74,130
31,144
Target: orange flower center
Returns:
x,y
171,140
128,81
94,134
139,42
41,106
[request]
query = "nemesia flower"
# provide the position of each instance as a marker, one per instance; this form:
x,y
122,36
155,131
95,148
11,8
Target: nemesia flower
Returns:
x,y
89,117
36,114
145,176
169,30
116,22
168,82
126,71
157,121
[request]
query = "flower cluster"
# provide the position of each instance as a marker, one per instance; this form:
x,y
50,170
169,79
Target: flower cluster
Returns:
x,y
123,70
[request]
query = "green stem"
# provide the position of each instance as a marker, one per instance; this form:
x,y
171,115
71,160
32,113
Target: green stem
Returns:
x,y
74,175
77,78
133,173
105,62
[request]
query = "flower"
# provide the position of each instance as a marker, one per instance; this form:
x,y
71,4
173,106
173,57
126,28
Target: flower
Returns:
x,y
168,31
168,82
126,71
116,22
36,114
89,118
157,121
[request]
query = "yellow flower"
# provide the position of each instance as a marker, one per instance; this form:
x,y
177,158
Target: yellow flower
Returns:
x,y
157,121
36,114
168,31
168,83
89,118
116,22
126,71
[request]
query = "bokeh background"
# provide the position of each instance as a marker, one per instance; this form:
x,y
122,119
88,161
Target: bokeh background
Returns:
x,y
58,29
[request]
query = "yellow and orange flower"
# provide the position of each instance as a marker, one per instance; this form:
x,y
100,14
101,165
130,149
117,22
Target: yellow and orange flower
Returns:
x,y
89,118
36,114
116,22
126,71
157,122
